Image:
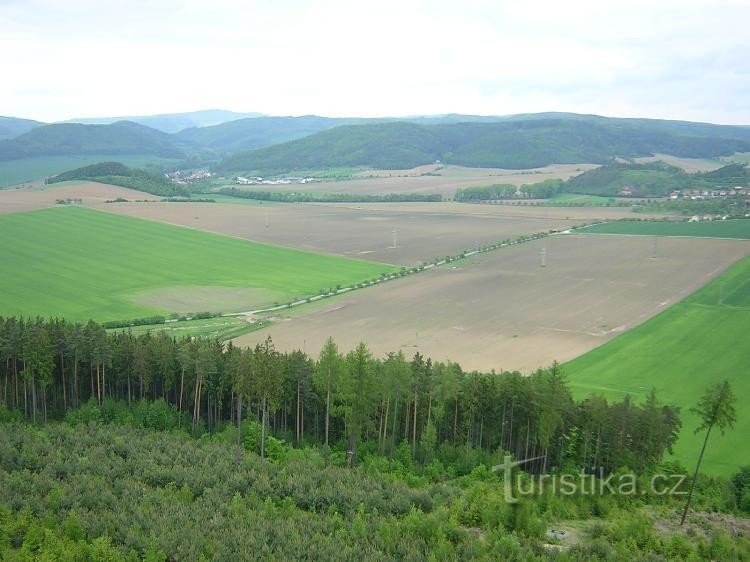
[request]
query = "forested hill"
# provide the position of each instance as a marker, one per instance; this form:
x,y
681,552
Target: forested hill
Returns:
x,y
507,144
12,126
115,173
62,139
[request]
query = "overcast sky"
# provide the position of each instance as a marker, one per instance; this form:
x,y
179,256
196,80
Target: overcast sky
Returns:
x,y
677,59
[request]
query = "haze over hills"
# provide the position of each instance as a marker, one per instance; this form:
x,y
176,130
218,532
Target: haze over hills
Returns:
x,y
275,145
172,122
123,137
11,127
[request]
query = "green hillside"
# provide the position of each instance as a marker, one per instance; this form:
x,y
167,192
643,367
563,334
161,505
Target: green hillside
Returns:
x,y
680,352
82,264
63,139
653,179
116,173
509,144
257,132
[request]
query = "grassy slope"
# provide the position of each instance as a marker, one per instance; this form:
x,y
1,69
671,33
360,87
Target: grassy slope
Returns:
x,y
82,264
693,344
739,228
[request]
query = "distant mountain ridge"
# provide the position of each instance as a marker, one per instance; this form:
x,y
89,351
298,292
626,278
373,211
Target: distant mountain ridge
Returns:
x,y
13,126
62,139
505,143
277,145
172,122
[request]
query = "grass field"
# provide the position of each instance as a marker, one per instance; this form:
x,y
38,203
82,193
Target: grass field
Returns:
x,y
738,228
680,352
81,264
13,172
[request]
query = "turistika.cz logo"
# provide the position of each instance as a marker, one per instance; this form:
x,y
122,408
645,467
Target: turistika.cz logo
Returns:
x,y
626,484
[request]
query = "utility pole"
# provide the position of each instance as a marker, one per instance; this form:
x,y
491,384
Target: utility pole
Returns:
x,y
543,256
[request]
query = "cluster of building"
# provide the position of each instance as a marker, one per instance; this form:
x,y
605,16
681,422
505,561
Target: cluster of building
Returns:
x,y
696,194
281,181
187,177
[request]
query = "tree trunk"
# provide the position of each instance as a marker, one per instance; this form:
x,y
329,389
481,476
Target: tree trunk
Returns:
x,y
414,429
263,431
695,476
328,408
65,392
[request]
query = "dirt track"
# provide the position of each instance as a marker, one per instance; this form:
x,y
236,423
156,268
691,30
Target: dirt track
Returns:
x,y
501,310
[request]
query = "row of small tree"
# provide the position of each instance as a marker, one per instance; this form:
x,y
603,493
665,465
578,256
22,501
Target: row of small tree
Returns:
x,y
337,399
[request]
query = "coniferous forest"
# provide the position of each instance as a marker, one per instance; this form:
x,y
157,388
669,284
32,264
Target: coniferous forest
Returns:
x,y
121,446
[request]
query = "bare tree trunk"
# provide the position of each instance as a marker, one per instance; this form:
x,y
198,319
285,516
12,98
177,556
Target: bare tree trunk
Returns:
x,y
695,476
328,408
64,389
414,429
263,430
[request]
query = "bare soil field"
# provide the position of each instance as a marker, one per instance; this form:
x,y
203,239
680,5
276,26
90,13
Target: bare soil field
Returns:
x,y
424,231
43,196
434,179
502,310
689,165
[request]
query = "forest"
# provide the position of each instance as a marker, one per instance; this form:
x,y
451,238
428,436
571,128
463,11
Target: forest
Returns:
x,y
307,197
115,446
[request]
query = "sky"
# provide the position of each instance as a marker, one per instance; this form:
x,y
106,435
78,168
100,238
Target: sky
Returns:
x,y
681,59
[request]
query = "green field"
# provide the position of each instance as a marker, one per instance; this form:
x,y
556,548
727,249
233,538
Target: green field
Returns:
x,y
81,264
13,172
737,228
680,352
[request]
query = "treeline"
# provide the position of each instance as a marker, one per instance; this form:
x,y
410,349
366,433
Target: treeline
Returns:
x,y
306,197
541,190
653,179
115,173
430,409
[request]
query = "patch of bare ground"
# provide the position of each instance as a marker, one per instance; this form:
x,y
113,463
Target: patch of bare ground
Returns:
x,y
444,180
203,298
43,196
690,165
502,310
702,524
422,231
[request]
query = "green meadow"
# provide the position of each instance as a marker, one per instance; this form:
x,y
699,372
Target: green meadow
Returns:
x,y
79,264
735,228
680,352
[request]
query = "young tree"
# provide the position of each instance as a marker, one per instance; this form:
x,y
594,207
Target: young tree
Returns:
x,y
715,408
361,395
328,371
267,382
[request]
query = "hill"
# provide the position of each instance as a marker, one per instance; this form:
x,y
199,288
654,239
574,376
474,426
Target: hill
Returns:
x,y
11,127
172,122
257,132
653,179
520,144
116,173
62,139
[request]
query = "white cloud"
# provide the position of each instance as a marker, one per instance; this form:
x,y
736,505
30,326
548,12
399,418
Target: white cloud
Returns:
x,y
678,59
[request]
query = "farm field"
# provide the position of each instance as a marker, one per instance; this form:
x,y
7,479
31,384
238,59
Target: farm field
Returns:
x,y
44,196
680,352
689,165
443,180
13,172
81,264
738,228
424,231
501,310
